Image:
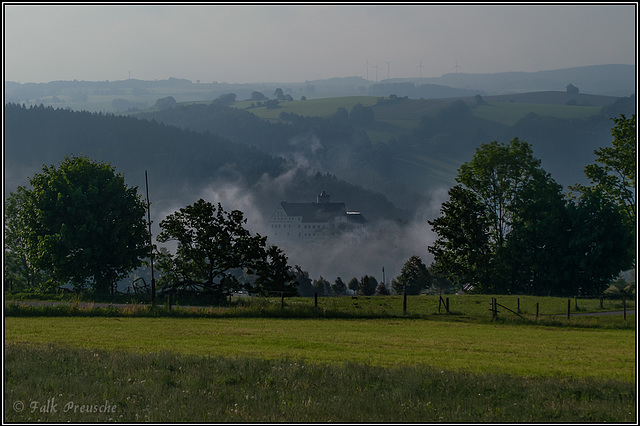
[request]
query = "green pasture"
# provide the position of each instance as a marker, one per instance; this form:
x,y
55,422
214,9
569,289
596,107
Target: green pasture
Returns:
x,y
406,114
313,107
514,349
345,360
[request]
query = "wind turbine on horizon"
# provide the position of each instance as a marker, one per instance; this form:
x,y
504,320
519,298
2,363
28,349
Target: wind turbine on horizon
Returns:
x,y
456,67
388,68
420,67
367,65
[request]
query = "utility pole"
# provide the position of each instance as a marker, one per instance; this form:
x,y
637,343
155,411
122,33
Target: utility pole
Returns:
x,y
153,280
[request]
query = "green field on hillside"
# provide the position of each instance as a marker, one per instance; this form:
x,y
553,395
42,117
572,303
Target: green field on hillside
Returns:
x,y
312,108
407,113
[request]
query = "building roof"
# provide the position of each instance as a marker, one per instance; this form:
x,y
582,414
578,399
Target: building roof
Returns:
x,y
314,212
322,211
355,217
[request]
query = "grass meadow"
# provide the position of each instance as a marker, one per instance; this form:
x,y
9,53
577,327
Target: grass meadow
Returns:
x,y
259,361
170,387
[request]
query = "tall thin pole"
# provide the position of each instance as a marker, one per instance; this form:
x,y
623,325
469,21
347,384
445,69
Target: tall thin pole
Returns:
x,y
153,279
367,68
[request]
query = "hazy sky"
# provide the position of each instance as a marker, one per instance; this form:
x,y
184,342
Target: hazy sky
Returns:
x,y
282,43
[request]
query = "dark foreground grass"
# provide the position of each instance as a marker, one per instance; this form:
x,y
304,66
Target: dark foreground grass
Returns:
x,y
52,383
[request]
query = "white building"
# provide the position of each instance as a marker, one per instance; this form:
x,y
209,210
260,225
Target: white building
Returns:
x,y
299,222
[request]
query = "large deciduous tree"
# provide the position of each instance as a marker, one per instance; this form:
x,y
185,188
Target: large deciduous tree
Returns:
x,y
19,270
600,246
531,259
462,251
493,187
80,223
497,174
508,228
614,174
619,166
214,249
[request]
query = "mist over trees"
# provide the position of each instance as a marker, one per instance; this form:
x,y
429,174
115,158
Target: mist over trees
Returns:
x,y
176,159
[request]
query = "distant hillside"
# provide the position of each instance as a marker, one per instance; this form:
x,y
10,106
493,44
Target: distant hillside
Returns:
x,y
132,94
611,80
554,98
403,147
182,165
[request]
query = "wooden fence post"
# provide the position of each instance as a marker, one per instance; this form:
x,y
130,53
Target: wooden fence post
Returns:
x,y
315,296
404,302
282,300
537,308
494,308
518,310
568,308
447,305
601,303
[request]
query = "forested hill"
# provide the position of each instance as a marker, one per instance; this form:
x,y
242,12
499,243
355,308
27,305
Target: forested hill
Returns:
x,y
403,147
331,144
182,165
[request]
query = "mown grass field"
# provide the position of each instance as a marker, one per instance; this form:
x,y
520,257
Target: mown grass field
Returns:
x,y
508,349
258,361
